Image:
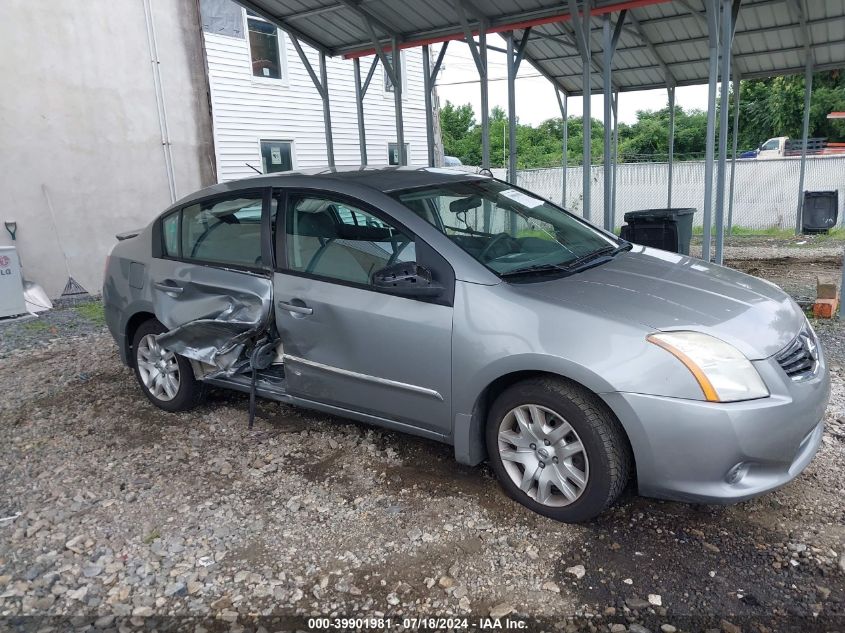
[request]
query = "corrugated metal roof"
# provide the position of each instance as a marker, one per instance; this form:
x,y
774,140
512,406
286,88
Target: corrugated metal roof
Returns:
x,y
672,34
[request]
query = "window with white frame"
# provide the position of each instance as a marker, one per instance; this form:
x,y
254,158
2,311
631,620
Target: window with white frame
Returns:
x,y
265,50
393,153
388,84
276,156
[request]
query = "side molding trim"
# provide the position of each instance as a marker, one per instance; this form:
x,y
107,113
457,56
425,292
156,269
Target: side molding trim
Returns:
x,y
354,374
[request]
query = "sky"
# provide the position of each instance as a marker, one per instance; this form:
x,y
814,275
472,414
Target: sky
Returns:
x,y
535,96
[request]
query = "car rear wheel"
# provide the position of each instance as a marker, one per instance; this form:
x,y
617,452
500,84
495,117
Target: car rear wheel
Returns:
x,y
166,378
556,449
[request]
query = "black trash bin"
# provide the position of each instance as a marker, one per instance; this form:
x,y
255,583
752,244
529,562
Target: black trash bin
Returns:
x,y
821,210
669,229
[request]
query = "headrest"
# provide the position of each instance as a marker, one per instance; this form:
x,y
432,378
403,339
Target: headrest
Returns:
x,y
316,225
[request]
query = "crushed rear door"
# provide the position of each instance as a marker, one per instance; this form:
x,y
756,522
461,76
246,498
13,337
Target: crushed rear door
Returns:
x,y
211,313
212,287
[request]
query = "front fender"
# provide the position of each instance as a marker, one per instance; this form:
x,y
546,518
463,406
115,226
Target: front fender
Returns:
x,y
500,331
469,422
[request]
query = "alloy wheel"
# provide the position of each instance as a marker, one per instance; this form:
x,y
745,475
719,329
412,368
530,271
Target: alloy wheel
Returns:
x,y
158,368
543,455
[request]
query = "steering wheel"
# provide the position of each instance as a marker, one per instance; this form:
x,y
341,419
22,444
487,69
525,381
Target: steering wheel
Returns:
x,y
499,237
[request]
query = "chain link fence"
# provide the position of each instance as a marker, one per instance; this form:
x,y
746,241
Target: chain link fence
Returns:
x,y
765,195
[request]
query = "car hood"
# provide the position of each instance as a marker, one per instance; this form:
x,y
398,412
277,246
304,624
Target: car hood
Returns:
x,y
666,291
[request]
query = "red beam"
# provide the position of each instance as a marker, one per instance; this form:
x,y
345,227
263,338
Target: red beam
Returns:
x,y
511,26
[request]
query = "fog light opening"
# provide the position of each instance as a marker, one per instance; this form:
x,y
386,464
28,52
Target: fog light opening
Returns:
x,y
736,473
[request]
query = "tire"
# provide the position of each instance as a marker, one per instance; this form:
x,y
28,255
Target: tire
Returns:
x,y
185,394
585,456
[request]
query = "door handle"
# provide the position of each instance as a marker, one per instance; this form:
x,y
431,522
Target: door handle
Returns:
x,y
298,309
174,290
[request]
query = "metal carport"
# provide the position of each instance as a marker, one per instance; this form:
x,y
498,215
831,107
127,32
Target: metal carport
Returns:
x,y
582,47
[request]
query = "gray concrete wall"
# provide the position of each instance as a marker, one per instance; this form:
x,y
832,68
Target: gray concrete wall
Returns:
x,y
79,127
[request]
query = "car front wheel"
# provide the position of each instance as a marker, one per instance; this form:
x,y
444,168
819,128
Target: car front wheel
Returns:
x,y
556,449
166,378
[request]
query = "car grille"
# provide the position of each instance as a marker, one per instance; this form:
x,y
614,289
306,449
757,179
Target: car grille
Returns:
x,y
800,359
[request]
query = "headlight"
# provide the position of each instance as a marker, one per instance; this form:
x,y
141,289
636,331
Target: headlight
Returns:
x,y
722,371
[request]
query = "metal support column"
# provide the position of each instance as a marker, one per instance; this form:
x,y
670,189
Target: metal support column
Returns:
x,y
721,173
327,111
396,62
359,106
565,144
429,112
736,81
321,84
512,66
485,99
512,69
671,160
615,155
393,68
581,24
562,104
479,54
609,40
606,98
430,80
808,91
713,32
515,55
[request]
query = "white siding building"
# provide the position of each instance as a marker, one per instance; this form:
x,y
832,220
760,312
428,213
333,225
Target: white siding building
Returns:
x,y
267,113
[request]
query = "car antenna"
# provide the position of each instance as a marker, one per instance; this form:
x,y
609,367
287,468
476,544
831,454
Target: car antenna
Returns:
x,y
255,169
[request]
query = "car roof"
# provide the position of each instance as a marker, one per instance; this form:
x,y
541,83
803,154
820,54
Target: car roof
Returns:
x,y
384,179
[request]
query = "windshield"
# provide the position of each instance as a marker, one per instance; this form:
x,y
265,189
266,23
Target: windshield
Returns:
x,y
509,231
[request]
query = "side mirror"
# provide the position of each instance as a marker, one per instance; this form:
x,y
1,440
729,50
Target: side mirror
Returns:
x,y
407,279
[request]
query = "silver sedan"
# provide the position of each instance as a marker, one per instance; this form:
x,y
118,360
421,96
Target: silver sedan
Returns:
x,y
472,312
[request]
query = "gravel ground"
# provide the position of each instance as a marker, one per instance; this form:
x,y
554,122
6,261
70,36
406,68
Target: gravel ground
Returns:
x,y
794,263
765,247
127,517
68,319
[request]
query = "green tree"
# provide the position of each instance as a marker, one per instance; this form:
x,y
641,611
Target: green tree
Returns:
x,y
456,122
768,108
648,138
775,107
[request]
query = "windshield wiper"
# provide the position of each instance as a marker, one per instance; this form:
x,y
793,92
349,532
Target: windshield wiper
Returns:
x,y
536,269
597,257
582,263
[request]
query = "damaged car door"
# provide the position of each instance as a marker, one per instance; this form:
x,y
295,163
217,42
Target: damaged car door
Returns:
x,y
211,286
364,312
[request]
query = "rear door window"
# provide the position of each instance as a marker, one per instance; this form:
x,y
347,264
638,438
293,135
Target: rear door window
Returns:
x,y
223,231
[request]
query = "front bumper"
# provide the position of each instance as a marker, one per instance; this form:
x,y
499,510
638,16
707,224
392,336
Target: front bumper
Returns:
x,y
696,451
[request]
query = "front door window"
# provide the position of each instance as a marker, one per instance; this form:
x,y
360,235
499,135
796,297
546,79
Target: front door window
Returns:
x,y
339,241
